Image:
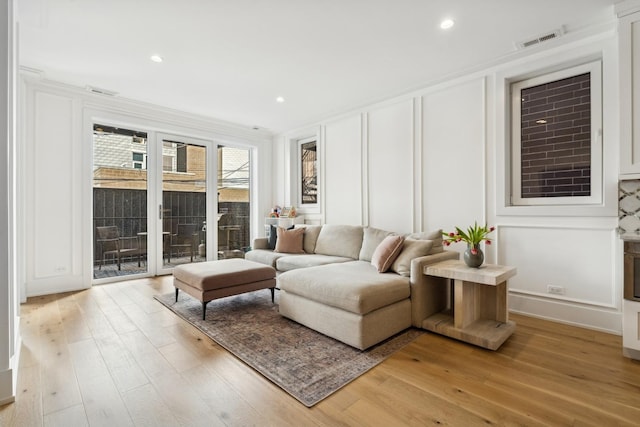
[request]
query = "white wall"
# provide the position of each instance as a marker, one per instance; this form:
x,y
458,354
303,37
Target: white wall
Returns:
x,y
437,157
56,168
390,166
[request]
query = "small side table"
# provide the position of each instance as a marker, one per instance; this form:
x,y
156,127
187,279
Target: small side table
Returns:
x,y
480,314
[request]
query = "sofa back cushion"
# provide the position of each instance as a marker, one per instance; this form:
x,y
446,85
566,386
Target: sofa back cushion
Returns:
x,y
310,238
434,236
372,237
340,240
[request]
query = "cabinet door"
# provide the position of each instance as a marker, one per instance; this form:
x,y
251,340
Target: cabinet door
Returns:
x,y
630,94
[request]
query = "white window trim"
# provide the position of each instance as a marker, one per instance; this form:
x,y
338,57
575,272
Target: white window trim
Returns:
x,y
596,197
143,162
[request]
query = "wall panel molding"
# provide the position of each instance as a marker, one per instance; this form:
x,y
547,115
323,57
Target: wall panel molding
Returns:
x,y
583,260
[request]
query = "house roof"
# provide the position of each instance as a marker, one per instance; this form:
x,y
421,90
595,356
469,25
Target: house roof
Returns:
x,y
231,59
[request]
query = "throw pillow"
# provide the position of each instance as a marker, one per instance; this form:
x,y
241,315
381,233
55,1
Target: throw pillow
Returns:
x,y
410,249
386,253
273,236
372,237
290,240
434,236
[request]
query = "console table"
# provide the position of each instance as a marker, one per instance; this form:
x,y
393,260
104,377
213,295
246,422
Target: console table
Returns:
x,y
478,313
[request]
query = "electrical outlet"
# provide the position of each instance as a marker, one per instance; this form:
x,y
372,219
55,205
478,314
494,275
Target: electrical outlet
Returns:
x,y
558,290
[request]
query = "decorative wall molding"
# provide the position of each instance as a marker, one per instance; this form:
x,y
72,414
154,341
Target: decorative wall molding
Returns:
x,y
615,278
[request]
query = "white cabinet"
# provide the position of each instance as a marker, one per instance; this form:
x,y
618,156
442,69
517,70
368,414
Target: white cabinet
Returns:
x,y
631,329
629,36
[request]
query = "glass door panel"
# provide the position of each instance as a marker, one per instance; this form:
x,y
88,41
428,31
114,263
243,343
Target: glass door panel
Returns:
x,y
184,202
234,209
119,202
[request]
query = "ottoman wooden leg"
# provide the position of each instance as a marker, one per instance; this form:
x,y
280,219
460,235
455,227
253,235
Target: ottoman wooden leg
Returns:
x,y
204,309
177,294
273,291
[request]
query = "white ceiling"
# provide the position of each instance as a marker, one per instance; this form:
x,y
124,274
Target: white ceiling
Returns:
x,y
230,59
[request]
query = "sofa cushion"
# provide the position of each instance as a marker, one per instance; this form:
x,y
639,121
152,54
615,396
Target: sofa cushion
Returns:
x,y
411,249
371,238
310,238
434,236
386,253
340,240
264,256
290,241
353,286
308,260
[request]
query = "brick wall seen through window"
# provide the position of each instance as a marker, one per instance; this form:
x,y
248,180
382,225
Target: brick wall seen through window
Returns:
x,y
556,138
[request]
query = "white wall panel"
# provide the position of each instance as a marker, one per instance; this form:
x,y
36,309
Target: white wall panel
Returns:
x,y
390,167
52,160
342,171
453,156
580,260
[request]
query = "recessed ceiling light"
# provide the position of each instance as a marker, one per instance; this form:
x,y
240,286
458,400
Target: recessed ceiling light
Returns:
x,y
156,58
280,99
446,24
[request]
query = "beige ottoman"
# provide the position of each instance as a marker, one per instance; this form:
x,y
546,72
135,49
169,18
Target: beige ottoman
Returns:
x,y
211,280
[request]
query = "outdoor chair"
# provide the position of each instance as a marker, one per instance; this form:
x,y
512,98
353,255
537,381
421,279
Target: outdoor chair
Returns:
x,y
112,244
186,239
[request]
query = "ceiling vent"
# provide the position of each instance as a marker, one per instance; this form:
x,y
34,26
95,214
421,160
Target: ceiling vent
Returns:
x,y
540,39
100,91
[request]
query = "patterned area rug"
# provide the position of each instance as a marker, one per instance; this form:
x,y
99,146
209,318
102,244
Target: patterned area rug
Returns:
x,y
304,363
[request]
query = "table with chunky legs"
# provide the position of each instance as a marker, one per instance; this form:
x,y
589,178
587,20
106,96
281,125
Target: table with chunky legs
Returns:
x,y
478,311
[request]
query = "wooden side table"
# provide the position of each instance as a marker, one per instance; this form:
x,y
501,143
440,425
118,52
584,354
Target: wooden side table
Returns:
x,y
480,314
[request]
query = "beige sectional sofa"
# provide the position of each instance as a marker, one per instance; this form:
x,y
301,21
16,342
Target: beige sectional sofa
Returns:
x,y
331,286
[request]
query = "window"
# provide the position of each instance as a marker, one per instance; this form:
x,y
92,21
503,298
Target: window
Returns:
x,y
139,160
308,172
556,138
167,163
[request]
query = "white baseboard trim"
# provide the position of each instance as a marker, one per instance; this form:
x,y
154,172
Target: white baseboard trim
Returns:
x,y
585,316
56,286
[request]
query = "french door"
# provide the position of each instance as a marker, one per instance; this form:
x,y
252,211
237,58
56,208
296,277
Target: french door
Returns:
x,y
186,200
161,200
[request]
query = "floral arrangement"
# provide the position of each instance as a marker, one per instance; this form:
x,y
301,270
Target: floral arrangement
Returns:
x,y
473,236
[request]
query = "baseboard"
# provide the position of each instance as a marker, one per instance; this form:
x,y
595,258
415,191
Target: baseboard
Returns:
x,y
575,314
56,286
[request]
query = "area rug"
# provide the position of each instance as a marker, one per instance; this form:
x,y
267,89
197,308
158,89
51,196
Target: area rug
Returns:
x,y
304,363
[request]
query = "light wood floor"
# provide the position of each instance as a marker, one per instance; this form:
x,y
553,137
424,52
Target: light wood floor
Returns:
x,y
113,356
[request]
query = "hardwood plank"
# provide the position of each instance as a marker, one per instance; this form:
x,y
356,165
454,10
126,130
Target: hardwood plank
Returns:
x,y
146,355
147,407
102,402
184,403
72,416
27,410
125,370
222,400
59,386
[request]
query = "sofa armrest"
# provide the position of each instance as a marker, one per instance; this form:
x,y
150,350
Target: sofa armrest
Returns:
x,y
261,243
425,300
